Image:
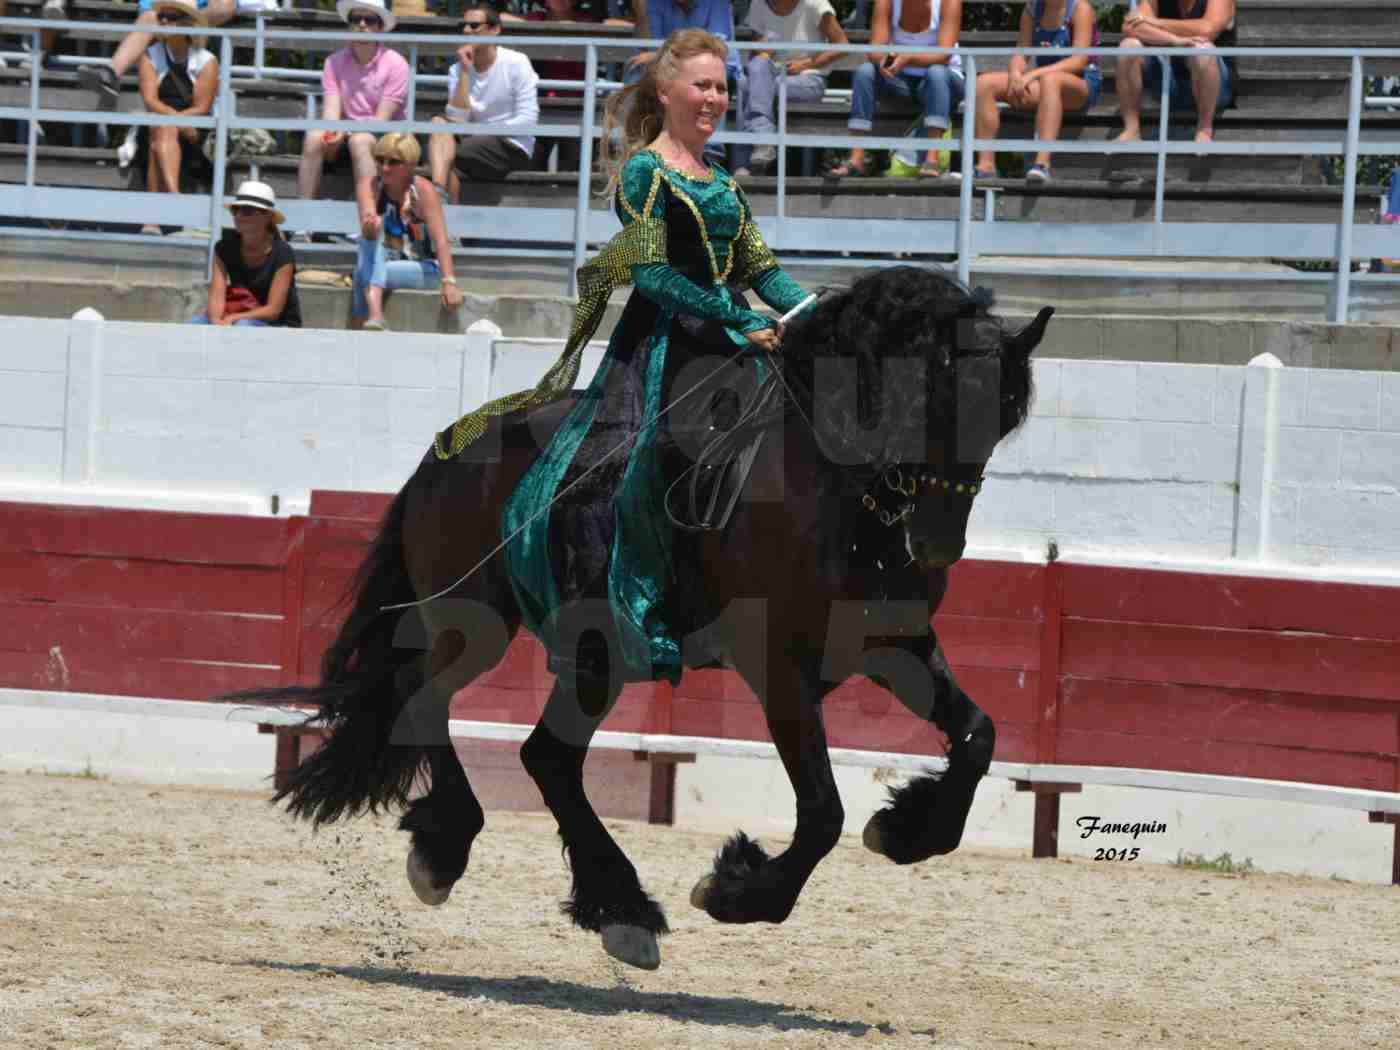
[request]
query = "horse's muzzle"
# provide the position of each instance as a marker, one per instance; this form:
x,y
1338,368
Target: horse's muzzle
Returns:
x,y
932,554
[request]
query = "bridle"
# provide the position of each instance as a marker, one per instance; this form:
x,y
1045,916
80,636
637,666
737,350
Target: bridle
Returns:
x,y
892,479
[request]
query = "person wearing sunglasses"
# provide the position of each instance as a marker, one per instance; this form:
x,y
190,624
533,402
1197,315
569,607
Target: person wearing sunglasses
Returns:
x,y
178,78
405,243
105,79
362,81
253,282
487,85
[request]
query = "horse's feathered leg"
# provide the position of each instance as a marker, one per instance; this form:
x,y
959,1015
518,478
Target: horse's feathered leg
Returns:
x,y
747,885
926,816
607,896
444,822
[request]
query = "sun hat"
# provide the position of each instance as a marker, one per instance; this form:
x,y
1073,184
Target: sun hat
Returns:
x,y
374,7
258,195
185,7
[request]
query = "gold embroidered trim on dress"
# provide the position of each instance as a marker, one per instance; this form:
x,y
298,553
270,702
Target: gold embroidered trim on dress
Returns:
x,y
720,276
638,244
709,175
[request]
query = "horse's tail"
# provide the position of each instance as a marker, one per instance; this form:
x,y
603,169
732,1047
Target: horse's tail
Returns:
x,y
365,683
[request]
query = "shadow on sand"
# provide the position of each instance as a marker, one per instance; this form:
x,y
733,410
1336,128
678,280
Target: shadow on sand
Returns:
x,y
592,1000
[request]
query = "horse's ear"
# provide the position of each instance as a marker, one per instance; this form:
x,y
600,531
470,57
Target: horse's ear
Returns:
x,y
1028,338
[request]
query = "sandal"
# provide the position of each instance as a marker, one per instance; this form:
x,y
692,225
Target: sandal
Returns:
x,y
929,170
846,167
1038,173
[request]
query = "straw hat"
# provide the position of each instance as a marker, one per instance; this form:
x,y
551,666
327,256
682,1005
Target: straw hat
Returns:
x,y
374,7
185,7
258,195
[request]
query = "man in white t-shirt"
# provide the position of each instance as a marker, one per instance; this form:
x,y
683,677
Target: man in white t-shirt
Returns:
x,y
488,85
792,21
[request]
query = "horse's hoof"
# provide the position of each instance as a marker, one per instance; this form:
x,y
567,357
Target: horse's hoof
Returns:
x,y
871,836
701,893
632,945
422,882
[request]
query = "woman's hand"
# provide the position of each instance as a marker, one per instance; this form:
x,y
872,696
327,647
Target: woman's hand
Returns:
x,y
370,225
800,65
893,64
227,319
451,295
1018,88
769,339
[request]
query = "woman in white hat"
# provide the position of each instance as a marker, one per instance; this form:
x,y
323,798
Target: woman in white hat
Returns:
x,y
254,268
177,79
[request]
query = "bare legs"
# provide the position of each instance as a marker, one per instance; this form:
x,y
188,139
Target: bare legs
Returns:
x,y
314,154
1048,98
442,149
1205,90
163,160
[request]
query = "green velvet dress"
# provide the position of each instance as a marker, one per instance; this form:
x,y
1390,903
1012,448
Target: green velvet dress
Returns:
x,y
688,246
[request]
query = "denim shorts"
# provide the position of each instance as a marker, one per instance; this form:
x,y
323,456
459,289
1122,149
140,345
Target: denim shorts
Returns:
x,y
1180,92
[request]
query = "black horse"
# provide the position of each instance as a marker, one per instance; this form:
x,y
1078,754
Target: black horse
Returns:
x,y
896,392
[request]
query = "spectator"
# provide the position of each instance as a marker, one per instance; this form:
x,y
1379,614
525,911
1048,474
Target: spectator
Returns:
x,y
48,38
178,78
1178,23
929,78
1056,84
404,244
492,86
560,68
254,268
660,18
798,21
362,81
105,80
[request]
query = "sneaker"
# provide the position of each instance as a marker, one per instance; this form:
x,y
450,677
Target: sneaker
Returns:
x,y
126,152
375,325
1038,173
742,172
102,80
55,9
763,157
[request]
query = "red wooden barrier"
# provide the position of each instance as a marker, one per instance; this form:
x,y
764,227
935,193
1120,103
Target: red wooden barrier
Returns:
x,y
1078,664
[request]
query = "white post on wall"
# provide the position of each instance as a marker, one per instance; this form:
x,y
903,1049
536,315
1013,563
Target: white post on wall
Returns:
x,y
477,360
82,412
1259,438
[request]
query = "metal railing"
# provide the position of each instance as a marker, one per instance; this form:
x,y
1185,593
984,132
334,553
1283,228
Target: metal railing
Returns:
x,y
568,234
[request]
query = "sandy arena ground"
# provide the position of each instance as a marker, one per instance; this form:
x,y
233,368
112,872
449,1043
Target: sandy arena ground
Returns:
x,y
134,916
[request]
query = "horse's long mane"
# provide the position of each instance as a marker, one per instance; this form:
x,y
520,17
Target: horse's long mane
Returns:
x,y
906,312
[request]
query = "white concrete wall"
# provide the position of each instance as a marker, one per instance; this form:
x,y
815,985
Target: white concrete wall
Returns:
x,y
1166,461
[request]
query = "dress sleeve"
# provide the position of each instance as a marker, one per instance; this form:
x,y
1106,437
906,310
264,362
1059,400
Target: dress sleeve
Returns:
x,y
757,268
641,201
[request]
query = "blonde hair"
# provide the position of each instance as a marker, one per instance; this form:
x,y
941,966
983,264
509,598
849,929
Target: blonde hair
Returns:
x,y
636,112
401,145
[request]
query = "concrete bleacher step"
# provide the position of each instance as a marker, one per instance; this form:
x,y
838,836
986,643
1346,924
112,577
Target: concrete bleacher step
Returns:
x,y
1066,199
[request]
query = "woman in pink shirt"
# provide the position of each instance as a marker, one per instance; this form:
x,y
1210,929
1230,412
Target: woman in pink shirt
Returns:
x,y
364,81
